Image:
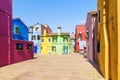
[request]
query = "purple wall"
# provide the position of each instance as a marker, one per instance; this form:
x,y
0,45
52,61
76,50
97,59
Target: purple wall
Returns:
x,y
91,27
8,52
5,31
21,55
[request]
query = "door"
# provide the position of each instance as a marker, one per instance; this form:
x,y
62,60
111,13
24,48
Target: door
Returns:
x,y
66,49
54,49
35,49
49,50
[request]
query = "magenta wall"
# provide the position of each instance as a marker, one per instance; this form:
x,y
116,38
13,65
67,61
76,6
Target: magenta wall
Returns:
x,y
8,52
5,31
21,55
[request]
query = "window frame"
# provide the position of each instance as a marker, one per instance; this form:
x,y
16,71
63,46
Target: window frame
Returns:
x,y
19,46
33,37
65,39
99,16
49,39
29,47
16,29
42,40
55,39
38,37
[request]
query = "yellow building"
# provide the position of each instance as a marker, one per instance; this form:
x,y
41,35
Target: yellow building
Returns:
x,y
109,38
46,43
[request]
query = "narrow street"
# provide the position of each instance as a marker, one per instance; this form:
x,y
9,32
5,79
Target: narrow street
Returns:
x,y
52,67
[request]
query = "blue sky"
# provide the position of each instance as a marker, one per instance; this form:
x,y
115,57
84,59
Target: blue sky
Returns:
x,y
55,13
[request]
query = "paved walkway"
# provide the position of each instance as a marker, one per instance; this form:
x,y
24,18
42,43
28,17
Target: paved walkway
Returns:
x,y
51,67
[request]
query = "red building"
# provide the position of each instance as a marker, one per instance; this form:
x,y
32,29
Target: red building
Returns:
x,y
91,28
11,51
80,38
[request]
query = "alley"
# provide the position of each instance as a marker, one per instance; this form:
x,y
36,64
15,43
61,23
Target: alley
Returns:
x,y
51,67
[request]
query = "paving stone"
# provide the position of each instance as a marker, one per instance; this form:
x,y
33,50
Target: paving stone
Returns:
x,y
52,67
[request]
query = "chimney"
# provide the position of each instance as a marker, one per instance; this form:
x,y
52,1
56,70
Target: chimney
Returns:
x,y
59,31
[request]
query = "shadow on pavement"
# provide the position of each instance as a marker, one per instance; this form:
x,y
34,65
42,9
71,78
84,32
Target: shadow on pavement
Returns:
x,y
95,65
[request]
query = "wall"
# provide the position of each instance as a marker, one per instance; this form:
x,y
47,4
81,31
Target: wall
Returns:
x,y
21,55
113,31
80,29
118,30
23,30
36,33
91,27
46,44
109,57
5,31
103,55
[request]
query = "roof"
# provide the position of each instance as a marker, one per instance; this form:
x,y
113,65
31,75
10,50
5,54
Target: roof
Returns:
x,y
46,26
92,12
56,34
20,21
77,26
64,34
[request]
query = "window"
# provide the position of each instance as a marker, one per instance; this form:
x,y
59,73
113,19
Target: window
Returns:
x,y
80,37
54,39
99,16
42,40
53,48
33,37
36,29
41,47
38,37
19,46
49,39
65,39
17,30
87,34
98,46
29,46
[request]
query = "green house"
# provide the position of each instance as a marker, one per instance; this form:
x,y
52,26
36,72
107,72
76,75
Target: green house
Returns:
x,y
61,42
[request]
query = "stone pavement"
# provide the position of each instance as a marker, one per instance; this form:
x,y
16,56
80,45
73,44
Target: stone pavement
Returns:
x,y
51,67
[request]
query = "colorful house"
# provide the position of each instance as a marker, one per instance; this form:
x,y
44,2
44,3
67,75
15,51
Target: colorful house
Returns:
x,y
12,51
91,30
19,30
109,38
55,43
46,40
80,38
72,37
60,42
35,36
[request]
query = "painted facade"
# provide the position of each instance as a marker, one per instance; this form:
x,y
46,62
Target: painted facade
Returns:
x,y
19,30
109,38
5,31
46,40
91,34
72,37
35,36
80,38
12,51
55,43
61,42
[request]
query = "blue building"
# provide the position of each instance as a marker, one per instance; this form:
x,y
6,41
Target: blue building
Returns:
x,y
19,30
34,36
